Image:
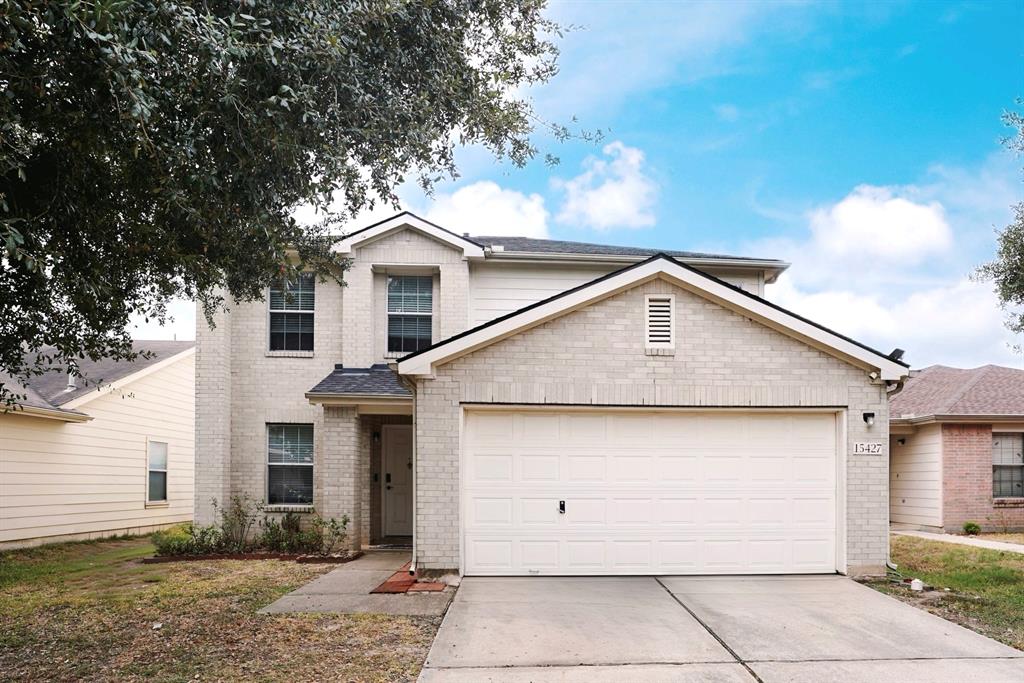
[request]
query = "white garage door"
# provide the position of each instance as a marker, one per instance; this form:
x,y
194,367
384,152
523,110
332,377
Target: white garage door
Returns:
x,y
648,493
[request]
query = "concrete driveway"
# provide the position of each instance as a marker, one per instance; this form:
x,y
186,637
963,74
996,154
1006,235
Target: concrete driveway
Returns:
x,y
733,630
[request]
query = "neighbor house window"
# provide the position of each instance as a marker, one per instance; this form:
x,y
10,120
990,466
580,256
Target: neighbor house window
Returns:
x,y
156,484
410,312
1008,465
291,315
289,464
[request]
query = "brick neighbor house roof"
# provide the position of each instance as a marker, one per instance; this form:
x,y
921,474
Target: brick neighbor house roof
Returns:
x,y
940,390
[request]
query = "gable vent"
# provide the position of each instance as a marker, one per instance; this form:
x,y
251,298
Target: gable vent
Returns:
x,y
660,328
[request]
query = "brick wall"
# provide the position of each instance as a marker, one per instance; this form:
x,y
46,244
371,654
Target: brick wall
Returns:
x,y
967,482
596,356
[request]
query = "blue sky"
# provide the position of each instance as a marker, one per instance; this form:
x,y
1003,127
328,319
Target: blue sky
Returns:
x,y
858,141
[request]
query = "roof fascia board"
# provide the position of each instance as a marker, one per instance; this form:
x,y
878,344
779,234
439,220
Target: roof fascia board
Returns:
x,y
376,231
105,389
959,419
422,364
776,268
49,414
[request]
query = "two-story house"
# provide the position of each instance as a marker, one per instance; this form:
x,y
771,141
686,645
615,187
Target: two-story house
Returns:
x,y
525,406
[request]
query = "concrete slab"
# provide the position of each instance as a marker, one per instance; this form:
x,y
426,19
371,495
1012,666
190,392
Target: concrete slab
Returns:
x,y
569,621
905,671
404,604
649,673
823,618
346,590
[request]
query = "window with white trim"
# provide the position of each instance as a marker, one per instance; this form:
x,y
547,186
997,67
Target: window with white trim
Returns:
x,y
1007,465
410,312
660,313
289,464
156,472
291,314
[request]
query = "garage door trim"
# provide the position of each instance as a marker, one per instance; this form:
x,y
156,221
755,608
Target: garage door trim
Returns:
x,y
839,412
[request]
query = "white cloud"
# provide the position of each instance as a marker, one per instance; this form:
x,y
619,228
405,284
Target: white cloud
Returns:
x,y
889,266
610,193
727,112
873,221
485,208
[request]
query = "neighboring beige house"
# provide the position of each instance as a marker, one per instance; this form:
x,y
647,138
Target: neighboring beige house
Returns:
x,y
957,452
514,406
107,453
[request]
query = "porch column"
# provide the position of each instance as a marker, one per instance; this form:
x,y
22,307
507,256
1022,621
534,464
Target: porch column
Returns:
x,y
340,467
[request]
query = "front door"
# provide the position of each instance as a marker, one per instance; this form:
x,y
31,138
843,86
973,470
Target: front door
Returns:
x,y
397,480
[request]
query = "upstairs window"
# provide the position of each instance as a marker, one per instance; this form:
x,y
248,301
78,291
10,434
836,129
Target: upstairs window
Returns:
x,y
1007,465
156,481
659,330
289,464
291,315
410,312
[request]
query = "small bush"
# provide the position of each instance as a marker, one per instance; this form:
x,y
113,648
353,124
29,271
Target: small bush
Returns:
x,y
236,523
188,540
332,533
972,528
321,536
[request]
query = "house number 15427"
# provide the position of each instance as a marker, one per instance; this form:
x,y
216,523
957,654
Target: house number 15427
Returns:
x,y
867,448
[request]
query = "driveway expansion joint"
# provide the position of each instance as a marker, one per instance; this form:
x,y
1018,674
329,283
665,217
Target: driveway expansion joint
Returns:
x,y
714,635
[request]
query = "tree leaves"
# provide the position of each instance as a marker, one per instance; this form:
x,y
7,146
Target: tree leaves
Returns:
x,y
153,149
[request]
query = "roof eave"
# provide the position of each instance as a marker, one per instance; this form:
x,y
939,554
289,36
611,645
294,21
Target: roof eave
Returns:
x,y
50,414
772,266
336,399
961,419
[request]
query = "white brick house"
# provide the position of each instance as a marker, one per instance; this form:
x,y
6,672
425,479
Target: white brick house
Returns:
x,y
521,406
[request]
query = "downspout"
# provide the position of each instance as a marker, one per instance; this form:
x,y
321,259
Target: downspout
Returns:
x,y
415,488
890,391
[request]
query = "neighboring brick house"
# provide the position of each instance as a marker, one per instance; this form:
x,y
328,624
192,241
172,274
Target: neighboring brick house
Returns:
x,y
522,406
957,452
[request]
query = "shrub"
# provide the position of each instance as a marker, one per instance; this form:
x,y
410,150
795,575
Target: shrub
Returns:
x,y
236,523
322,536
972,528
188,540
332,533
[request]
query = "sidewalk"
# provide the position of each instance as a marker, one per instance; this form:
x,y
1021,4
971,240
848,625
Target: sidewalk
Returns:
x,y
964,540
346,590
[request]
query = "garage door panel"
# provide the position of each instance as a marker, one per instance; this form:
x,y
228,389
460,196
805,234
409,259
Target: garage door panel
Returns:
x,y
649,493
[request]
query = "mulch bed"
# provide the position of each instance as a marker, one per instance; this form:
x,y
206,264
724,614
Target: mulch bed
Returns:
x,y
286,557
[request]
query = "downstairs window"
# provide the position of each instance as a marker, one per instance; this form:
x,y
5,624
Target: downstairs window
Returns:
x,y
289,464
1007,465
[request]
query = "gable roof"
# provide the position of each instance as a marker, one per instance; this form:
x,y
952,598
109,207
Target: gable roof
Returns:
x,y
422,362
346,244
500,247
940,391
49,392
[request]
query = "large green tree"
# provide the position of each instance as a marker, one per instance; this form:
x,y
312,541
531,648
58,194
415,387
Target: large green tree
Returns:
x,y
151,149
1006,270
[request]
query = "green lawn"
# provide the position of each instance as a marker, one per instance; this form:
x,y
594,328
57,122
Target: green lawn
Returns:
x,y
986,587
87,611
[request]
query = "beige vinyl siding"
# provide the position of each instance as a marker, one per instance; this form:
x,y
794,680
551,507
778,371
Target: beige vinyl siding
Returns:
x,y
500,288
915,477
80,480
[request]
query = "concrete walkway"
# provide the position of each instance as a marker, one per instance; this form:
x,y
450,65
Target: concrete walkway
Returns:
x,y
724,629
963,540
346,590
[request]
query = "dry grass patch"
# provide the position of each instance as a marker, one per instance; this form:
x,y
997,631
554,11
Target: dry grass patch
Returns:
x,y
986,587
93,612
1005,537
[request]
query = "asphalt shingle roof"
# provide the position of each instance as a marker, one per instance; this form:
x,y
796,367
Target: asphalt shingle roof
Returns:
x,y
49,390
376,380
533,245
941,390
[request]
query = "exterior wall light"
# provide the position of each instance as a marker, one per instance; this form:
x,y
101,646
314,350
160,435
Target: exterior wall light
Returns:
x,y
869,419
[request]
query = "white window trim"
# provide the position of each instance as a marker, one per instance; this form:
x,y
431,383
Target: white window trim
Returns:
x,y
286,507
656,345
1011,498
388,313
167,477
282,353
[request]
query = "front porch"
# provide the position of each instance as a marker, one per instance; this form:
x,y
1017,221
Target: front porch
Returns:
x,y
366,454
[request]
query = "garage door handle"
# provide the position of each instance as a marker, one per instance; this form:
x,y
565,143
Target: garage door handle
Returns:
x,y
561,507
